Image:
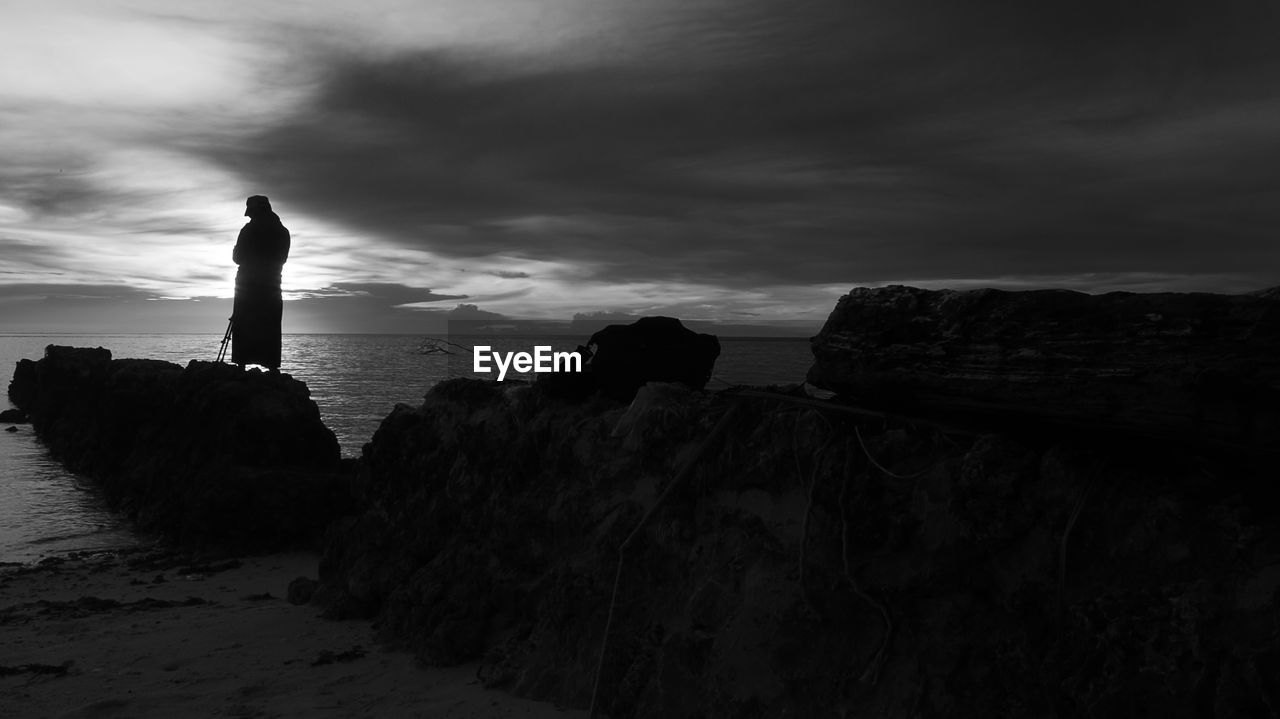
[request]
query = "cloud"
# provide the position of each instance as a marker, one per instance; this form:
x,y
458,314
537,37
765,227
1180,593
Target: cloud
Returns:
x,y
66,292
721,158
344,307
472,312
386,294
30,260
362,307
99,308
767,146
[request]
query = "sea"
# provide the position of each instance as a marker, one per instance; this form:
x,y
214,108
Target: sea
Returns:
x,y
355,380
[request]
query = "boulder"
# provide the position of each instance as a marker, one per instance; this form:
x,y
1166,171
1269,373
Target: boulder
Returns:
x,y
651,349
1193,367
13,415
301,589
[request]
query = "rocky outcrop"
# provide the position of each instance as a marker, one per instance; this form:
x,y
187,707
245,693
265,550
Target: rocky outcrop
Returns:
x,y
1195,367
809,561
208,454
620,359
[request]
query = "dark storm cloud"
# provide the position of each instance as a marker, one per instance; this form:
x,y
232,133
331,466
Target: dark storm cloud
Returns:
x,y
820,142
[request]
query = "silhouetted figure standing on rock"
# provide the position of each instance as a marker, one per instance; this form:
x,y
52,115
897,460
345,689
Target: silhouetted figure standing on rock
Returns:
x,y
261,250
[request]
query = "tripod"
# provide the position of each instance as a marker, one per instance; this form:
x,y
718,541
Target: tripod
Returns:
x,y
226,339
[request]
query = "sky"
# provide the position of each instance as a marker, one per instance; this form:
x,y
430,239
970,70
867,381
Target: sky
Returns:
x,y
741,161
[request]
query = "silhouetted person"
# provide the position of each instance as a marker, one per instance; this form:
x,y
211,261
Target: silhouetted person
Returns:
x,y
261,250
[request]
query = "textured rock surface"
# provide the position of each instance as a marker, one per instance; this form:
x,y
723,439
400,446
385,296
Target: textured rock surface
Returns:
x,y
209,454
1199,367
1033,577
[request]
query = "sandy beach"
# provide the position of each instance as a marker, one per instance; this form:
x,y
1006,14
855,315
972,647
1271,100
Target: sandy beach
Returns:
x,y
148,634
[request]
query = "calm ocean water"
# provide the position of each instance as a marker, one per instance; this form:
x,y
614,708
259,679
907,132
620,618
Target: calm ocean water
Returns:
x,y
354,379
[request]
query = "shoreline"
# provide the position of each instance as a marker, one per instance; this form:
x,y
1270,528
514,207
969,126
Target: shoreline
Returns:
x,y
47,510
154,633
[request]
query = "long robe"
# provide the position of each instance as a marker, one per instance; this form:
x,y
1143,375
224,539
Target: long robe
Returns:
x,y
261,251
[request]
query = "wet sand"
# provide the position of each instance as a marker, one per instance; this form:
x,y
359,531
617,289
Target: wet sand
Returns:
x,y
138,636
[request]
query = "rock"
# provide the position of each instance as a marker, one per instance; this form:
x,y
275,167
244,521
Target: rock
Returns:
x,y
1022,576
207,454
301,590
651,349
11,429
14,415
656,410
1194,367
1271,293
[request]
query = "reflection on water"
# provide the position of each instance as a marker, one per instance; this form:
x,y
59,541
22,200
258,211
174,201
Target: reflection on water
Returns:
x,y
46,510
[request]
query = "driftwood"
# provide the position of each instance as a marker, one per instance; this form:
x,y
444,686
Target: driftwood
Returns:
x,y
1194,367
435,346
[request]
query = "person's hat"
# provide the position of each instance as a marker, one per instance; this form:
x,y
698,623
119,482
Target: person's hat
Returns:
x,y
257,202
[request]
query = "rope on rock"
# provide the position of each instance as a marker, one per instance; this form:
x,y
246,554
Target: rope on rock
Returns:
x,y
914,475
809,491
685,472
1062,547
871,674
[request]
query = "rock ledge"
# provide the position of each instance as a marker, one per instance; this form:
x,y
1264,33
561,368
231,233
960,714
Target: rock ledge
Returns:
x,y
207,455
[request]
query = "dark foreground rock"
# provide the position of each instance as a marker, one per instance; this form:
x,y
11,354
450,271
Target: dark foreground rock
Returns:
x,y
620,359
1195,367
208,455
811,563
651,349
